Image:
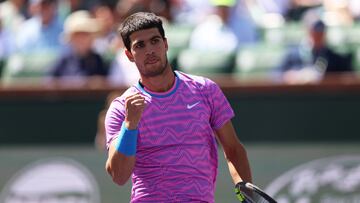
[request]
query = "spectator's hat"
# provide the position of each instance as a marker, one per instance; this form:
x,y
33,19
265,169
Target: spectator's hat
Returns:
x,y
80,21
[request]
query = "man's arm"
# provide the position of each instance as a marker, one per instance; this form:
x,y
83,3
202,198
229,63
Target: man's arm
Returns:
x,y
118,165
235,153
121,155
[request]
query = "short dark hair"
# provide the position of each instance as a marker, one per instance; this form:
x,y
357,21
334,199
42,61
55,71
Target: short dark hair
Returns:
x,y
139,21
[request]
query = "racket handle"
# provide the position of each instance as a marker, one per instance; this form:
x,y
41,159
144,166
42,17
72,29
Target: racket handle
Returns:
x,y
240,196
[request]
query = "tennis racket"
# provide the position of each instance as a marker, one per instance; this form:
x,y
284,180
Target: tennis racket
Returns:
x,y
250,193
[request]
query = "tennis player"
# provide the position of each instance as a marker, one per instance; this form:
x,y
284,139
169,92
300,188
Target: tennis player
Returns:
x,y
163,130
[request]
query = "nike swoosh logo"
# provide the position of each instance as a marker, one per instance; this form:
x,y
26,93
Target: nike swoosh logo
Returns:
x,y
190,106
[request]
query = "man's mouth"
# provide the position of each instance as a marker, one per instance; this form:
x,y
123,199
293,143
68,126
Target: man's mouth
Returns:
x,y
151,60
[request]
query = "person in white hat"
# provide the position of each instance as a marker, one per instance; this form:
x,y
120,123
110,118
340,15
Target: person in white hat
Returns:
x,y
80,30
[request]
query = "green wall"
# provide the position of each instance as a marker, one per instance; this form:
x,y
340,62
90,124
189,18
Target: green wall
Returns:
x,y
297,116
260,116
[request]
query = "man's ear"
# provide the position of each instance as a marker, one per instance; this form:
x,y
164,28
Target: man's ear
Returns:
x,y
166,44
129,55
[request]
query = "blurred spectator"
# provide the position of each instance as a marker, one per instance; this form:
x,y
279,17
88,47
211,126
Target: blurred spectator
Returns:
x,y
242,23
337,13
267,13
313,57
191,12
11,19
37,44
354,8
274,6
298,8
11,14
218,31
105,42
42,31
6,46
214,33
162,8
66,7
80,59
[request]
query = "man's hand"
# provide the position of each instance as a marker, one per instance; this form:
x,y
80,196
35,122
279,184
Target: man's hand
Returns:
x,y
134,105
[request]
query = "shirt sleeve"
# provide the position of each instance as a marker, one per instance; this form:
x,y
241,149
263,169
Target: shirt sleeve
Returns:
x,y
221,110
115,115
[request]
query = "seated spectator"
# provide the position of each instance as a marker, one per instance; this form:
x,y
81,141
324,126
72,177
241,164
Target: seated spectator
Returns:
x,y
11,19
338,13
229,26
214,33
162,8
191,12
354,9
42,31
80,59
104,43
6,46
242,21
66,7
298,8
11,14
313,58
37,44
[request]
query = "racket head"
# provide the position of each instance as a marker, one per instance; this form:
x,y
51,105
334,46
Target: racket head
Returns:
x,y
250,193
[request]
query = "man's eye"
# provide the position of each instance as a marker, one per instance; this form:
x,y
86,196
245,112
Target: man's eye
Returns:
x,y
154,41
139,45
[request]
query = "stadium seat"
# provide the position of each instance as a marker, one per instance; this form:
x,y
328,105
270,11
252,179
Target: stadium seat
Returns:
x,y
31,65
337,39
288,34
356,59
258,59
178,36
206,62
353,33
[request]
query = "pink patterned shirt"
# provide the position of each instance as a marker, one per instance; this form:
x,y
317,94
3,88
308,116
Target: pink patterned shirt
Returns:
x,y
176,155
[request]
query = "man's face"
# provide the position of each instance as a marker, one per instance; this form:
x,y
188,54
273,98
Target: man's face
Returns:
x,y
148,52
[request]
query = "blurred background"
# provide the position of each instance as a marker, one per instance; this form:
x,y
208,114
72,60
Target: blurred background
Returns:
x,y
290,69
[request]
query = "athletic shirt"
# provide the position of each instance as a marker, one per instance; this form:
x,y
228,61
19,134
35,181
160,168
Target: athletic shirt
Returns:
x,y
176,154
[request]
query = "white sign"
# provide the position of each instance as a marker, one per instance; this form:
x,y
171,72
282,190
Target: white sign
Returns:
x,y
55,180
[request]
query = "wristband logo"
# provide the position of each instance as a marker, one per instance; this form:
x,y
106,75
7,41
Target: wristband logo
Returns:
x,y
57,180
328,180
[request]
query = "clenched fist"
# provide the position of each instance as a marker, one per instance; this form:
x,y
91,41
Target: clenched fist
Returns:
x,y
134,105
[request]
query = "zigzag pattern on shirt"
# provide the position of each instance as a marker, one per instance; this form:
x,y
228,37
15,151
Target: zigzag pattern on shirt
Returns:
x,y
176,153
189,188
170,135
176,118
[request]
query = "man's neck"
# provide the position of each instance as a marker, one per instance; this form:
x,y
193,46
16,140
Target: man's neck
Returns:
x,y
160,83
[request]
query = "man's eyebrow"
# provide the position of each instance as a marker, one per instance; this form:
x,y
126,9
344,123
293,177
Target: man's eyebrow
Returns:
x,y
138,41
155,37
151,38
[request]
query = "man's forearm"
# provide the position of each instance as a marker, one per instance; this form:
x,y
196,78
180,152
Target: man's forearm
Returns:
x,y
239,166
119,166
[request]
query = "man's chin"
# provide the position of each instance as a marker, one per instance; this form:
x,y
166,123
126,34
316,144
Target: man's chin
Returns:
x,y
154,72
